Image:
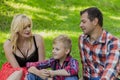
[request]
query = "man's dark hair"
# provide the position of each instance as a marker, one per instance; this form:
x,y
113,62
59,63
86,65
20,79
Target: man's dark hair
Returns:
x,y
93,13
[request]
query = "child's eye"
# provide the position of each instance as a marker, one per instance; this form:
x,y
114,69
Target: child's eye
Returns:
x,y
57,49
52,48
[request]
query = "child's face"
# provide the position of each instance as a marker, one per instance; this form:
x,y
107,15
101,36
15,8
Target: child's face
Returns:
x,y
59,51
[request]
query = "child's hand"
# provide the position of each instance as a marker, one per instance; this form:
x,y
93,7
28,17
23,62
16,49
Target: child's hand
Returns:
x,y
51,73
50,79
81,78
32,69
43,73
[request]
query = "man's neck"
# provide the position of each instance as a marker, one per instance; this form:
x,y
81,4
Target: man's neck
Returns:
x,y
96,34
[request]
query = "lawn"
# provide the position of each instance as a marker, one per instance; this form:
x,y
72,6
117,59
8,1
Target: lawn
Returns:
x,y
54,17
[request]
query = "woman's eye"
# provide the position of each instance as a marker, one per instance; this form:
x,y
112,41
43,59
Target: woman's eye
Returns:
x,y
27,26
24,27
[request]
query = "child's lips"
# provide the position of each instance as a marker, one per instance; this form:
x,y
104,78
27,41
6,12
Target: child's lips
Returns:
x,y
54,54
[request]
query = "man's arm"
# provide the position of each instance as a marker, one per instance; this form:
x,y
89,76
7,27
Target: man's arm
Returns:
x,y
112,60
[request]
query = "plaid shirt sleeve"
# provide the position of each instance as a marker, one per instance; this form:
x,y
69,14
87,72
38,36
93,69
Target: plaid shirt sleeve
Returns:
x,y
112,60
118,69
40,65
73,67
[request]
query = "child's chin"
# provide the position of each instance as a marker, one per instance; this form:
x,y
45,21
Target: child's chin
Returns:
x,y
55,57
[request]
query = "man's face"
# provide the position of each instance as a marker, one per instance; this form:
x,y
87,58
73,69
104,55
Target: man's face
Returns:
x,y
86,25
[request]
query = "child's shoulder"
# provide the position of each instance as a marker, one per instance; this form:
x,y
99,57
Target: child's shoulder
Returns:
x,y
73,59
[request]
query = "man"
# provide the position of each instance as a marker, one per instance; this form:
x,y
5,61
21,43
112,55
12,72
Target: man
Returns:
x,y
99,50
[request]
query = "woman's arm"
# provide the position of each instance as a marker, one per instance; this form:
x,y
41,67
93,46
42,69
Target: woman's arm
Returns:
x,y
9,54
40,46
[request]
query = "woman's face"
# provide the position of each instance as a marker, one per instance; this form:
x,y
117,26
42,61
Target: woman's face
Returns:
x,y
26,32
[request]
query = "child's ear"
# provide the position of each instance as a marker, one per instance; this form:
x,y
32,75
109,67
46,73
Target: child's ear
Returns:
x,y
67,51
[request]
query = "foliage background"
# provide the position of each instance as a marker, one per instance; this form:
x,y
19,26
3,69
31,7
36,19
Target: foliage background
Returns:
x,y
54,17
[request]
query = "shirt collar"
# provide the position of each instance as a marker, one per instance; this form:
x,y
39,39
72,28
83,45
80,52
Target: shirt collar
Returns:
x,y
101,39
67,58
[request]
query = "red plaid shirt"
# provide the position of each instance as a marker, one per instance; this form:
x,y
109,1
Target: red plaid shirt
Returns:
x,y
70,65
101,57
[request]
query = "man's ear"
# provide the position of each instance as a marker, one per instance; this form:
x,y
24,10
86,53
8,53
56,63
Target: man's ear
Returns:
x,y
95,21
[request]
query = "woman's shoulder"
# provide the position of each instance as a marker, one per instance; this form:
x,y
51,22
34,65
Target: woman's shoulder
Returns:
x,y
7,43
39,40
38,37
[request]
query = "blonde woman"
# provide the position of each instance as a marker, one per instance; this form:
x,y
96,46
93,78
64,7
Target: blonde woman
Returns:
x,y
22,47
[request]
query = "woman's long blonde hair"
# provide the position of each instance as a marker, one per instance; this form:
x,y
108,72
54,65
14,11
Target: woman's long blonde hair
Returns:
x,y
19,22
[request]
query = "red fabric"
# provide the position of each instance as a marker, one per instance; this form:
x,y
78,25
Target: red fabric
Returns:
x,y
7,70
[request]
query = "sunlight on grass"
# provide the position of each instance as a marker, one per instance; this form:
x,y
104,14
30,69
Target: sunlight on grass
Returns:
x,y
34,9
23,6
4,37
44,17
28,9
61,17
55,33
115,17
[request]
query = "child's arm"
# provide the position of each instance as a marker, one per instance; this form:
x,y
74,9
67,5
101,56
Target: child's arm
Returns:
x,y
41,65
71,69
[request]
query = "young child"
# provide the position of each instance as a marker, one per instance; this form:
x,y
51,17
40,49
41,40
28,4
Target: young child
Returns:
x,y
63,66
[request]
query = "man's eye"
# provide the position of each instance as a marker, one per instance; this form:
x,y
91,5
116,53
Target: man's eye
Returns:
x,y
83,21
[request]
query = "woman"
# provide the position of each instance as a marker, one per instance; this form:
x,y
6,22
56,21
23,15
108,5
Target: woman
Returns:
x,y
22,47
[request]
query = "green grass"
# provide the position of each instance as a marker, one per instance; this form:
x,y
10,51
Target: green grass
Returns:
x,y
54,17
